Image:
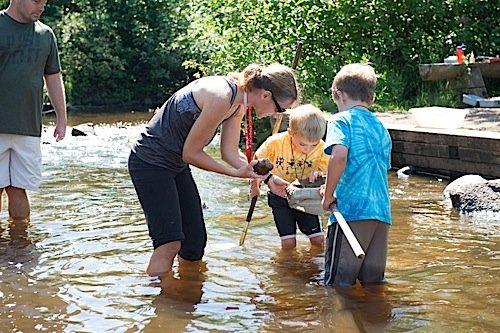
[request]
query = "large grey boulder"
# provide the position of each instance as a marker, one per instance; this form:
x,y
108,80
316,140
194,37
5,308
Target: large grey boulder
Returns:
x,y
473,193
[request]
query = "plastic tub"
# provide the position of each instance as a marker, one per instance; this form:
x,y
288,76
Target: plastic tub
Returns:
x,y
480,102
438,117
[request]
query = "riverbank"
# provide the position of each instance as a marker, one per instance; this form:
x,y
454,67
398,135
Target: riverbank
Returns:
x,y
468,147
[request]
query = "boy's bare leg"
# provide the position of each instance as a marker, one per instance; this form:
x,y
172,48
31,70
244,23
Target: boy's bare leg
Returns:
x,y
1,192
162,259
19,206
317,241
288,244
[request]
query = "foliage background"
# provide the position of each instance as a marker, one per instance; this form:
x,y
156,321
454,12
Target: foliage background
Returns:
x,y
134,53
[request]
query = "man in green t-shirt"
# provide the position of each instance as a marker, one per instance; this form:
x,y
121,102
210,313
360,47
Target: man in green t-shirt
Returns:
x,y
28,56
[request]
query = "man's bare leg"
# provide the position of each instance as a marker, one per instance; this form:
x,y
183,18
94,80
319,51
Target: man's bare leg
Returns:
x,y
1,192
162,259
19,206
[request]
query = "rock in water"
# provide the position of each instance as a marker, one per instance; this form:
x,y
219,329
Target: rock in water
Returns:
x,y
473,193
263,167
83,130
77,132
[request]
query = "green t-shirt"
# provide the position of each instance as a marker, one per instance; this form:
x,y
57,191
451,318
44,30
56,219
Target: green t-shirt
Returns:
x,y
27,53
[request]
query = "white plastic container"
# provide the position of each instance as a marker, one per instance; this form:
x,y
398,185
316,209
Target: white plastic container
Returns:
x,y
451,60
438,117
480,102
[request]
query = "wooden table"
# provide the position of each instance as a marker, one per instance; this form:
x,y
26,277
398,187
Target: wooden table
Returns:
x,y
472,74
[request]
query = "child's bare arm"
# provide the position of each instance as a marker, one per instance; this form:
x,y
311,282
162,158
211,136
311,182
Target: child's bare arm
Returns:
x,y
336,167
278,186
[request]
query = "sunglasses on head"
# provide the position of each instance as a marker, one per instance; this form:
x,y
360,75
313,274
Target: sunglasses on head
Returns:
x,y
279,109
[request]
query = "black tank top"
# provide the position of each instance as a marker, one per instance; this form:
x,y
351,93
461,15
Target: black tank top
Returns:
x,y
162,141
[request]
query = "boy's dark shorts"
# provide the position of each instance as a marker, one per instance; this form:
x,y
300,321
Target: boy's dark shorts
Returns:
x,y
171,205
287,219
342,267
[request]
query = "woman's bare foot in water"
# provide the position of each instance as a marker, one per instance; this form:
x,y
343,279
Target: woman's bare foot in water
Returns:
x,y
162,259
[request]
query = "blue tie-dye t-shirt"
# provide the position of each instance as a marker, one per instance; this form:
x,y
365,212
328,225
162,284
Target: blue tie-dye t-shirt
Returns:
x,y
362,192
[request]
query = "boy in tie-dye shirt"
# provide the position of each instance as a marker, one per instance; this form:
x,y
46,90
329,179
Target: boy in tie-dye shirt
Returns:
x,y
360,149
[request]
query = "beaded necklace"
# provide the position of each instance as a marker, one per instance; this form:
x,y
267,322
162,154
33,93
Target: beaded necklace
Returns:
x,y
294,163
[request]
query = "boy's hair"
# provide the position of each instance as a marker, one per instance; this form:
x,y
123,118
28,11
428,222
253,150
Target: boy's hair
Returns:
x,y
358,81
308,122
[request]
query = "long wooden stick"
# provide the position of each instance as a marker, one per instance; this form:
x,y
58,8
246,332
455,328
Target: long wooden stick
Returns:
x,y
295,63
351,239
249,218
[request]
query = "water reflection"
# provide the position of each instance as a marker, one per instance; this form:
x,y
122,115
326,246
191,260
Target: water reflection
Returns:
x,y
25,303
357,309
16,248
291,288
181,291
79,264
298,301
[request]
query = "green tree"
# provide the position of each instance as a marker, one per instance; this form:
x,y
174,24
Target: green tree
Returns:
x,y
395,36
118,52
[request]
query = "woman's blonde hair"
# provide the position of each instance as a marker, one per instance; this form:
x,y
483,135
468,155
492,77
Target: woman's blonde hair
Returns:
x,y
358,81
308,122
278,79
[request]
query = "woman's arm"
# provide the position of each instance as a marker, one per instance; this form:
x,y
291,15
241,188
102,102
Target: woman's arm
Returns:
x,y
230,140
215,106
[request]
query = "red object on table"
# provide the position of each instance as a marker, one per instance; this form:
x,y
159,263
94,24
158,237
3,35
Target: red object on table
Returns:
x,y
460,54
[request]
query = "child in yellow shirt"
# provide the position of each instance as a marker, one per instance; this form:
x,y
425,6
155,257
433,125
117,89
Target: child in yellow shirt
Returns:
x,y
297,153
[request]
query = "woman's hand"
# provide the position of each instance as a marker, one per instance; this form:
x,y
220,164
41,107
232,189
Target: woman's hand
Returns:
x,y
246,171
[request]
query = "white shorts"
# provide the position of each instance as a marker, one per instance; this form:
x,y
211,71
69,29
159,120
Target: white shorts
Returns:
x,y
20,161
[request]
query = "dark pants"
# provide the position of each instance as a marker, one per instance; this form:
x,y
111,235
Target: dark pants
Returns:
x,y
172,207
287,219
342,267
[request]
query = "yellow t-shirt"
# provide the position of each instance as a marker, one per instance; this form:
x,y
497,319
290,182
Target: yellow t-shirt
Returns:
x,y
289,162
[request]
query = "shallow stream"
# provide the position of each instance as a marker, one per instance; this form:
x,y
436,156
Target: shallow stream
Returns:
x,y
79,264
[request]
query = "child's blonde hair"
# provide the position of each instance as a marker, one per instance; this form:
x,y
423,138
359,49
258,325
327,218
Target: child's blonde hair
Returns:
x,y
308,122
358,81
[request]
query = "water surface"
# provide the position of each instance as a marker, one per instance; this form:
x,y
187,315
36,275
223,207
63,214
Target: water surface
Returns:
x,y
79,264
